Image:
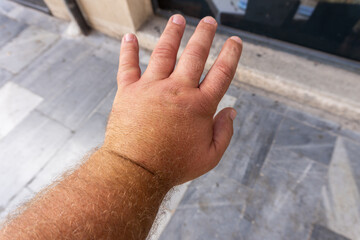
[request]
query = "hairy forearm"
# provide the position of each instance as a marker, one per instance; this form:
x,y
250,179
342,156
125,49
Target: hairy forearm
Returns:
x,y
107,197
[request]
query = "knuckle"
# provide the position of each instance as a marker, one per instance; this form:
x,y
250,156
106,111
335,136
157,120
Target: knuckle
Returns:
x,y
197,51
225,71
125,65
165,51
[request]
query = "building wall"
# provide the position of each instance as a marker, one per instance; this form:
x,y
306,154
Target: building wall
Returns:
x,y
113,17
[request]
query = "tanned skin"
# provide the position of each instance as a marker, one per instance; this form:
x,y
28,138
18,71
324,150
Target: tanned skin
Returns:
x,y
161,133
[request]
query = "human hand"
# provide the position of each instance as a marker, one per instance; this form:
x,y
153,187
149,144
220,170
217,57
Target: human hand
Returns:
x,y
164,120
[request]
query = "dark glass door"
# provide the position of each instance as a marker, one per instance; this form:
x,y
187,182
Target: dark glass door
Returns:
x,y
331,26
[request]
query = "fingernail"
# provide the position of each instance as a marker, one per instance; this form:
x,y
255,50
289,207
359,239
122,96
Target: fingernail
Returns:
x,y
210,20
233,114
129,37
178,19
236,39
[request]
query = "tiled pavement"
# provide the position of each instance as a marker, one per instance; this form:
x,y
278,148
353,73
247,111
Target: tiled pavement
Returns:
x,y
286,174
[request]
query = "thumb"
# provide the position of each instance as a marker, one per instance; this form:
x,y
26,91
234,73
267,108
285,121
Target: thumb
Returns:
x,y
223,131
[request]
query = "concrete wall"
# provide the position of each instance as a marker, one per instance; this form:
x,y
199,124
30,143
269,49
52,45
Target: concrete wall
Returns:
x,y
112,17
58,9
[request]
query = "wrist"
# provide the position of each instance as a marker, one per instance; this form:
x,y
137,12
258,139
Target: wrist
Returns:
x,y
123,169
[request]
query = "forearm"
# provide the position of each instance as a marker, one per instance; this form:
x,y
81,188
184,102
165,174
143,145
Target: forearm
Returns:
x,y
107,197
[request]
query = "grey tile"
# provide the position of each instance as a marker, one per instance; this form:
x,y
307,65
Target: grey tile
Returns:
x,y
9,29
284,199
353,135
98,39
341,195
49,75
305,140
353,155
321,233
6,6
25,150
322,124
4,77
253,98
254,131
89,136
16,103
268,124
23,49
106,105
22,197
91,83
208,201
213,190
221,222
107,55
33,17
234,91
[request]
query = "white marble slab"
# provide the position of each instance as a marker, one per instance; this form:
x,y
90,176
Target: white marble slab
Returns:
x,y
15,105
91,135
90,84
25,150
341,197
22,197
23,49
167,210
4,76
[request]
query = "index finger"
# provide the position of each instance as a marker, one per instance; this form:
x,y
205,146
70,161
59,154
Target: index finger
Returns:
x,y
219,77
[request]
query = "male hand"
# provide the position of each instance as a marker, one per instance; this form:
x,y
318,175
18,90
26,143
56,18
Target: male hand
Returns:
x,y
164,120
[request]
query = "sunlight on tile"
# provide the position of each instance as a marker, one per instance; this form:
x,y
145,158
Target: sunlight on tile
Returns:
x,y
15,104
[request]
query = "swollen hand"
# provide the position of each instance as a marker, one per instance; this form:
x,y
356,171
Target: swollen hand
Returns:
x,y
164,121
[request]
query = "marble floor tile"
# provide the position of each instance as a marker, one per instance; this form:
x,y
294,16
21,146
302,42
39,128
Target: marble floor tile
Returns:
x,y
106,104
49,75
284,201
6,6
341,195
91,83
9,28
249,98
4,77
109,56
76,149
220,222
23,49
33,17
254,131
167,210
313,143
321,233
15,105
350,134
210,199
213,190
25,150
306,118
12,208
353,155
